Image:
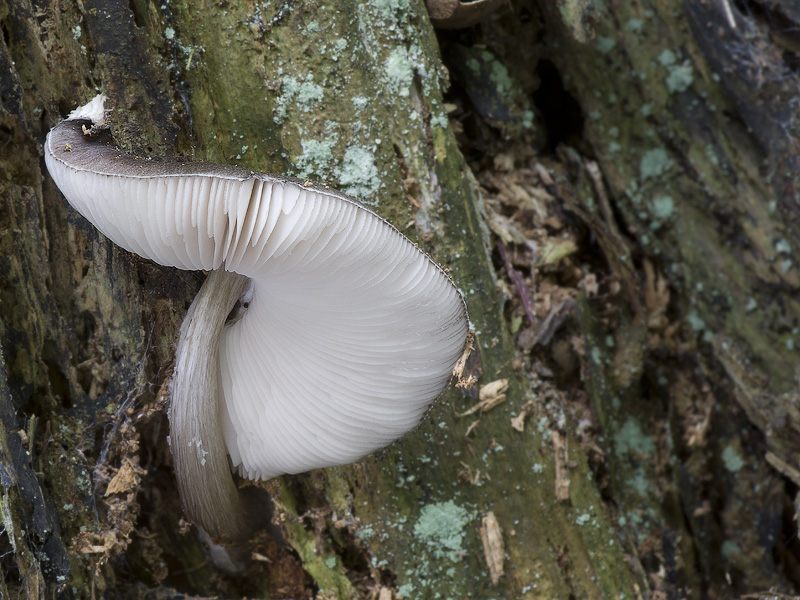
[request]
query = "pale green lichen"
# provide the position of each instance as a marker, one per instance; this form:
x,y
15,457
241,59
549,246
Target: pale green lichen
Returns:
x,y
542,424
663,207
605,44
654,163
357,174
8,523
498,74
306,93
640,483
696,321
406,590
527,119
303,94
667,58
390,8
680,77
597,355
315,159
440,120
399,71
634,25
729,548
631,438
712,154
442,527
733,462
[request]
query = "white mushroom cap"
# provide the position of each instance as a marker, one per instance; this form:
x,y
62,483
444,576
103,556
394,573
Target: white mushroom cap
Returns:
x,y
351,332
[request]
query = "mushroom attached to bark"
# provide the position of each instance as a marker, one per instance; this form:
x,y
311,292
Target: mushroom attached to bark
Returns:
x,y
350,331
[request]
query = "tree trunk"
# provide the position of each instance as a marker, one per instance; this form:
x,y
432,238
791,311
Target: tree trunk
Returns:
x,y
647,247
691,114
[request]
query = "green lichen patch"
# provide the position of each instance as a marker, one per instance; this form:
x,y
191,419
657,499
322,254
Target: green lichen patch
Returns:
x,y
680,77
605,44
399,71
696,321
301,93
357,174
654,163
732,459
441,528
631,439
730,548
663,207
316,158
667,58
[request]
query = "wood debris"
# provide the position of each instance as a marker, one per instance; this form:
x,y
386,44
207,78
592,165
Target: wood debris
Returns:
x,y
783,467
528,410
562,478
465,474
656,297
126,479
490,395
472,427
385,594
544,176
492,538
465,379
523,293
555,318
554,249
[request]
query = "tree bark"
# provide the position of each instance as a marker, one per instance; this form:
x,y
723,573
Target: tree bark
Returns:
x,y
686,345
689,113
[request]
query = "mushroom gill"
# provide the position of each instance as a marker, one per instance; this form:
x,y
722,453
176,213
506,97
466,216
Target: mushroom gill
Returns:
x,y
351,333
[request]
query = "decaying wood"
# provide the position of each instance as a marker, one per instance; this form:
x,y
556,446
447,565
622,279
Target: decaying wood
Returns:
x,y
493,552
650,217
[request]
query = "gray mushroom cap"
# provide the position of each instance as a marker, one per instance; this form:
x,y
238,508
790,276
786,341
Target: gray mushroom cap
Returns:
x,y
352,331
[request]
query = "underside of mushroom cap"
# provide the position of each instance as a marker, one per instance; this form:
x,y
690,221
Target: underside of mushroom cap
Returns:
x,y
350,334
352,330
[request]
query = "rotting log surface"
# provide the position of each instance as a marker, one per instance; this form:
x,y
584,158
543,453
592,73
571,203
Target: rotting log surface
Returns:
x,y
351,94
348,94
690,111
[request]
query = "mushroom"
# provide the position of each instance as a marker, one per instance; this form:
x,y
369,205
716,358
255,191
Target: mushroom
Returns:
x,y
457,14
347,333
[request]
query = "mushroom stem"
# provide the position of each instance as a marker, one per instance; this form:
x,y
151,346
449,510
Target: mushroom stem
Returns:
x,y
209,495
